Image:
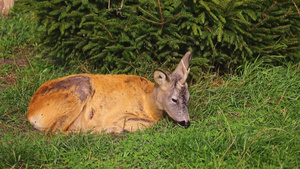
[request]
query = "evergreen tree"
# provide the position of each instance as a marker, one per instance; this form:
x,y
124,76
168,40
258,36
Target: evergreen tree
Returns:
x,y
122,36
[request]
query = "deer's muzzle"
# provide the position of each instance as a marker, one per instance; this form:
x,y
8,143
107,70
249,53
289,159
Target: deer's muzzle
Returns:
x,y
184,124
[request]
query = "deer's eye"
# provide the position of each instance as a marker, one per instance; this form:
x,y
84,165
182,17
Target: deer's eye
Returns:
x,y
174,100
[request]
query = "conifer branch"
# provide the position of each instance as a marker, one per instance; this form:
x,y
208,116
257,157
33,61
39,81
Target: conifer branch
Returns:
x,y
275,2
161,13
229,6
174,17
118,10
239,20
101,37
296,7
259,23
148,13
129,20
106,29
150,20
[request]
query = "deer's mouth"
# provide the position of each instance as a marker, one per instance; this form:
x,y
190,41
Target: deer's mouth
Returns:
x,y
184,124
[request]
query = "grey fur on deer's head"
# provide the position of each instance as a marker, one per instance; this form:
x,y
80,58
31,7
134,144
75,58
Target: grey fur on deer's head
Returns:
x,y
171,91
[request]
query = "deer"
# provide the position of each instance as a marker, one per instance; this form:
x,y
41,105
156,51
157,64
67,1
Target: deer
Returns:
x,y
111,103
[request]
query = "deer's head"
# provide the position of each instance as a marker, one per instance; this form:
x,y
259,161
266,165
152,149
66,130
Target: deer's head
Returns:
x,y
171,91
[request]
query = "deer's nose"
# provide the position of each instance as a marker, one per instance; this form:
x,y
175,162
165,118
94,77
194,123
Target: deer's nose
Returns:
x,y
184,124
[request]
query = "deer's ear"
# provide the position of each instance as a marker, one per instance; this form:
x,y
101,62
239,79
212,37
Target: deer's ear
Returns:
x,y
160,77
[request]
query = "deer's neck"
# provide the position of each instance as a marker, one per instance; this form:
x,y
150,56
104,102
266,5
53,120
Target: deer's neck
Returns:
x,y
155,111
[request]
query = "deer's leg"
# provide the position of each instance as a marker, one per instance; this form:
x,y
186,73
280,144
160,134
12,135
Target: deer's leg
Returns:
x,y
134,124
115,129
126,125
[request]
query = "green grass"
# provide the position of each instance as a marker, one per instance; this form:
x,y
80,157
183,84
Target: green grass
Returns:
x,y
17,31
247,120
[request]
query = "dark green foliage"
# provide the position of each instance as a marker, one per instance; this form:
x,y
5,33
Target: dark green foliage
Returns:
x,y
229,33
137,35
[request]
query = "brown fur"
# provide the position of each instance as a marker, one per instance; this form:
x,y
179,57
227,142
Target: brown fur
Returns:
x,y
110,103
74,104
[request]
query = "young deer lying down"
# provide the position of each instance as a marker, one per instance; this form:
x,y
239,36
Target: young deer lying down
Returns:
x,y
111,103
